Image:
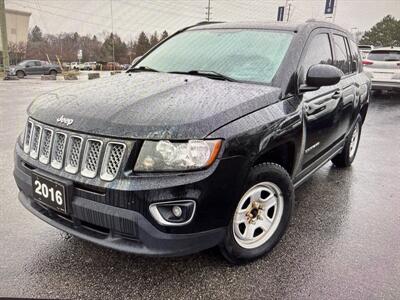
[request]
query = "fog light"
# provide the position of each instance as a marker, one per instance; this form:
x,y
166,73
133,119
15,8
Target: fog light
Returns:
x,y
177,211
173,213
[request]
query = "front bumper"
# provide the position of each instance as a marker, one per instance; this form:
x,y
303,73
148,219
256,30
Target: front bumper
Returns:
x,y
130,232
117,215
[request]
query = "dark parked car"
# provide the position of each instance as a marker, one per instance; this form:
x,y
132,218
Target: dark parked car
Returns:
x,y
34,67
200,143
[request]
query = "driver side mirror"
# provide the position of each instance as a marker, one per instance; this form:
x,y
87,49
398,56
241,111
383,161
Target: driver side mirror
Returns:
x,y
321,75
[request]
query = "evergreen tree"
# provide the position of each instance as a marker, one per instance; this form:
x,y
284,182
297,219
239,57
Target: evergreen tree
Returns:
x,y
35,35
143,44
164,35
383,33
154,39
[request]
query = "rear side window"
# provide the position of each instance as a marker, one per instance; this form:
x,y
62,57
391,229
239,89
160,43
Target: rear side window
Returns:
x,y
384,55
342,57
318,52
37,63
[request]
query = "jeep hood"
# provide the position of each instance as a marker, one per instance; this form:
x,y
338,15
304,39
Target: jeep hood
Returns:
x,y
151,105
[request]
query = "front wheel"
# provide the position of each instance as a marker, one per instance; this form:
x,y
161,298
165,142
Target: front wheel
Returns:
x,y
20,74
346,157
261,216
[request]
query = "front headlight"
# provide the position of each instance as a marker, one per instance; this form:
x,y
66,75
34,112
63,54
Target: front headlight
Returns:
x,y
176,156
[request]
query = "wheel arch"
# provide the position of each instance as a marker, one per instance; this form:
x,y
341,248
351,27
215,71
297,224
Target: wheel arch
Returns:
x,y
282,154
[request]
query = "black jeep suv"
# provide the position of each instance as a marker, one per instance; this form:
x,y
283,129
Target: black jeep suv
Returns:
x,y
200,143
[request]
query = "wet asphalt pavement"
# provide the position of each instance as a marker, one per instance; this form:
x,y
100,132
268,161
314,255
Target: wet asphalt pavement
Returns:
x,y
343,241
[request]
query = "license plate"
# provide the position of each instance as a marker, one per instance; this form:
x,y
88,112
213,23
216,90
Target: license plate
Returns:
x,y
49,192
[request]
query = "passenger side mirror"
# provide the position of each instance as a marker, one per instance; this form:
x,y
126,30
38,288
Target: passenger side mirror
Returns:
x,y
321,75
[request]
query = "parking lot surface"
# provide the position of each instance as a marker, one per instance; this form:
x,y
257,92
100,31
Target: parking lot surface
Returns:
x,y
343,241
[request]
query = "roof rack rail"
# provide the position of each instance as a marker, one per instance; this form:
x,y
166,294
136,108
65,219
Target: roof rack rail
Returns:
x,y
199,24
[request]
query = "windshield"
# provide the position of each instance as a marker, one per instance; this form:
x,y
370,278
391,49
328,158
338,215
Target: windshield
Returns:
x,y
384,55
244,55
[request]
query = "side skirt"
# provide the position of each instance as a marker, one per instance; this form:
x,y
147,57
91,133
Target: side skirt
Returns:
x,y
315,166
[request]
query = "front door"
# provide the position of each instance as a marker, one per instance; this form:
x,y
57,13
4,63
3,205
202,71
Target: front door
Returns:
x,y
321,107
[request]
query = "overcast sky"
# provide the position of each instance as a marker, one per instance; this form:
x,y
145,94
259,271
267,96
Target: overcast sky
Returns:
x,y
133,16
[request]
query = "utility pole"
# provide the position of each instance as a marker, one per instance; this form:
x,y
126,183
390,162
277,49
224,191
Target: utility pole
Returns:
x,y
334,11
208,13
288,12
4,40
112,35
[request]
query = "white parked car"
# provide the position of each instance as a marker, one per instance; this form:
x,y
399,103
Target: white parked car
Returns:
x,y
382,65
365,49
74,66
90,65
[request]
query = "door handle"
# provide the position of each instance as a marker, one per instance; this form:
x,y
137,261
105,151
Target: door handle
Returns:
x,y
337,95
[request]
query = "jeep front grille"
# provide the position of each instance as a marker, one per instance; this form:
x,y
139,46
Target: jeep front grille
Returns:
x,y
73,152
27,138
45,146
92,157
57,155
35,142
113,156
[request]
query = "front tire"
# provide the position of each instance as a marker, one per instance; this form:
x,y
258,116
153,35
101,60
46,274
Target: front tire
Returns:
x,y
345,158
20,74
262,214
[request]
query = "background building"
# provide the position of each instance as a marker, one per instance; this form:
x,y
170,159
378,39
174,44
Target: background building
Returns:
x,y
17,32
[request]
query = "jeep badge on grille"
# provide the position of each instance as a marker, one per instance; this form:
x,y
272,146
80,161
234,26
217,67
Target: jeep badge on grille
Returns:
x,y
65,120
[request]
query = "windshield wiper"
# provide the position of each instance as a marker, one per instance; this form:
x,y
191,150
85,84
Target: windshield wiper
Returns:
x,y
206,73
143,68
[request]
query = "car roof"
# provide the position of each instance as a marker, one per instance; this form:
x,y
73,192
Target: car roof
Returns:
x,y
288,26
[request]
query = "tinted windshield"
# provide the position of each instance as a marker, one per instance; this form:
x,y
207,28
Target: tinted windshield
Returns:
x,y
384,55
245,55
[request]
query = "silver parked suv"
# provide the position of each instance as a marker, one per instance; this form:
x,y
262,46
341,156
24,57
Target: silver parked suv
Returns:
x,y
383,67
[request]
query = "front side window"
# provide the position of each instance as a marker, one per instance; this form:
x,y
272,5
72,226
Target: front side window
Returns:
x,y
244,55
318,52
342,59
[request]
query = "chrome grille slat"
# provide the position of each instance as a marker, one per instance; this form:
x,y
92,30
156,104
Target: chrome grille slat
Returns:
x,y
91,158
45,146
74,152
57,154
112,160
27,136
35,141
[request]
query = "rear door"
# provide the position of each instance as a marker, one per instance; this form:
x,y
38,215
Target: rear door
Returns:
x,y
349,86
320,106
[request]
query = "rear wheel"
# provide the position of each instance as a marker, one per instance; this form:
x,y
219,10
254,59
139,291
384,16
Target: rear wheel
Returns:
x,y
346,157
53,72
261,216
20,74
